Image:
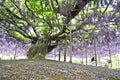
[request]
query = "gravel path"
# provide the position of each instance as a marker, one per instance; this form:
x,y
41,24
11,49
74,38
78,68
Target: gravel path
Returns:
x,y
53,70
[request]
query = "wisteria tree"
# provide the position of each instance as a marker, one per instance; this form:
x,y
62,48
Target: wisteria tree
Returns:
x,y
46,22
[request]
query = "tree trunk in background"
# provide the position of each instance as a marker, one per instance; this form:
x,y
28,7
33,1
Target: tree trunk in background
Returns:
x,y
59,56
95,52
99,60
65,50
82,60
15,55
70,47
86,51
110,56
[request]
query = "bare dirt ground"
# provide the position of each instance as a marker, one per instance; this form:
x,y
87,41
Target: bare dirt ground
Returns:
x,y
53,70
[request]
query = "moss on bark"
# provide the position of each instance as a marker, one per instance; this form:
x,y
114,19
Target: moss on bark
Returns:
x,y
38,50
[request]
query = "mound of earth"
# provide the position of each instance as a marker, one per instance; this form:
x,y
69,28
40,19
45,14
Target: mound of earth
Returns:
x,y
53,70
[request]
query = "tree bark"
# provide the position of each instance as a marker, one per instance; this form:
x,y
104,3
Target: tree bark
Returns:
x,y
95,52
15,55
70,47
110,61
38,50
59,56
86,50
65,49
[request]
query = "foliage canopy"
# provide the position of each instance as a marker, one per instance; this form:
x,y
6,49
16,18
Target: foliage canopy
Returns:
x,y
54,19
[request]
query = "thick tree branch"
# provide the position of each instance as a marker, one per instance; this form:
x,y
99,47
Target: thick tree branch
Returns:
x,y
16,16
78,7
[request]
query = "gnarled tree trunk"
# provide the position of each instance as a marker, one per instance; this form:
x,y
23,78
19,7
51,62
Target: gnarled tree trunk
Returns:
x,y
38,50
